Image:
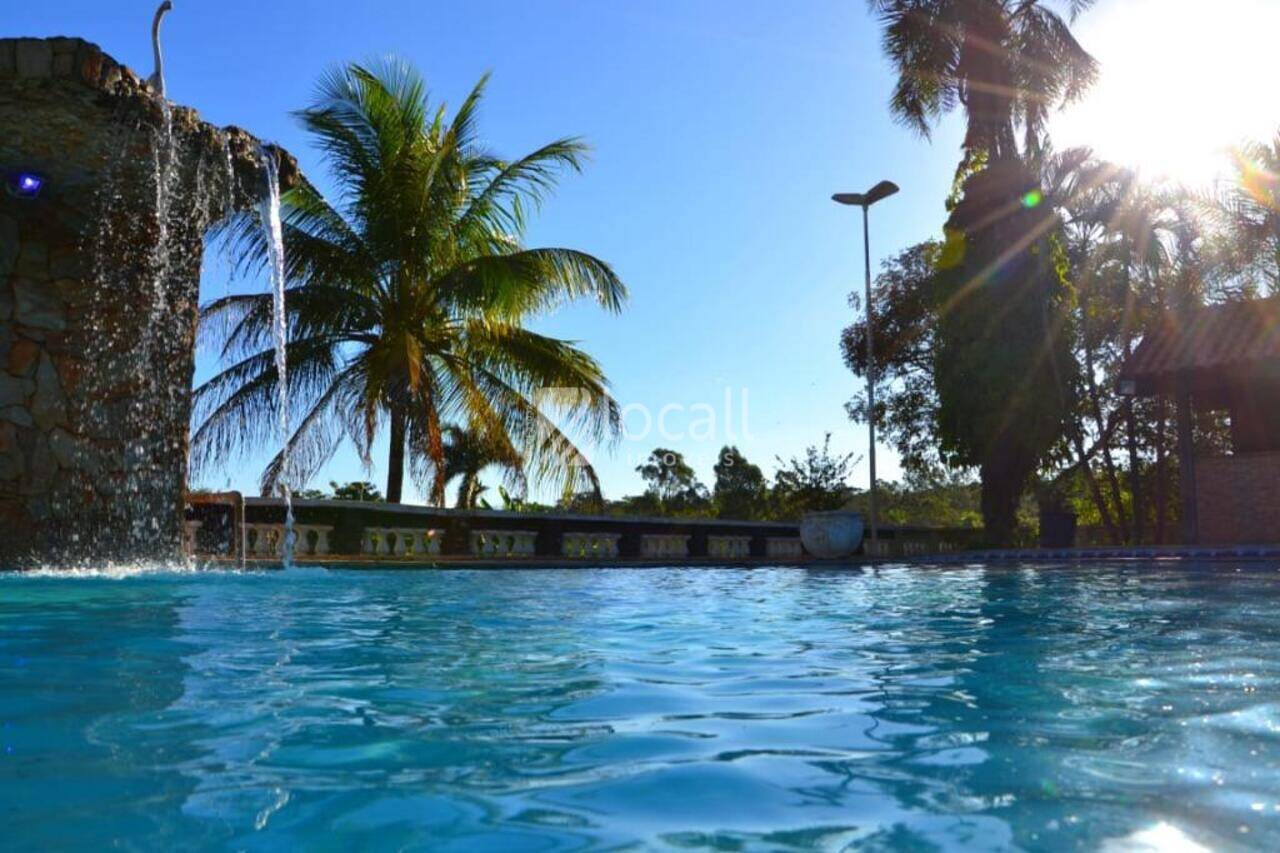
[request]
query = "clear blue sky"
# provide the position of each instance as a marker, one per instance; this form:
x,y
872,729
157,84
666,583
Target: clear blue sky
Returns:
x,y
719,127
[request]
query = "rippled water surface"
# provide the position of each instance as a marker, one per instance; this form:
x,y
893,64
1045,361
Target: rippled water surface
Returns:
x,y
897,708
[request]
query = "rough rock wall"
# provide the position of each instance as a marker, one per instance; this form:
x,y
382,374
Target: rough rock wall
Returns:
x,y
99,279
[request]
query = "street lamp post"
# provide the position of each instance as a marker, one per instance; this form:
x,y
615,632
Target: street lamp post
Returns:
x,y
880,191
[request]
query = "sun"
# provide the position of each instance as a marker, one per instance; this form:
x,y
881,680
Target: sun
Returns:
x,y
1180,82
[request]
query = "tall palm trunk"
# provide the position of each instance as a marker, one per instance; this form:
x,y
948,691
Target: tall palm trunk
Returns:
x,y
467,492
1104,436
1002,487
395,458
1095,490
1135,473
1162,471
1155,282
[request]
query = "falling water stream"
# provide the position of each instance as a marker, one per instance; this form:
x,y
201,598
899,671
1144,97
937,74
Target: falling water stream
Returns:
x,y
269,211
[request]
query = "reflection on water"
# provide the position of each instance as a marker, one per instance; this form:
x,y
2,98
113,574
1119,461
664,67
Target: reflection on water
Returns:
x,y
897,708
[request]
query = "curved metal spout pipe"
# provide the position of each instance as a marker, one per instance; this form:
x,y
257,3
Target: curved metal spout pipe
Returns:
x,y
156,80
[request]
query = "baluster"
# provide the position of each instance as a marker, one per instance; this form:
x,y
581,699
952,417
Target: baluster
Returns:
x,y
264,540
190,530
322,540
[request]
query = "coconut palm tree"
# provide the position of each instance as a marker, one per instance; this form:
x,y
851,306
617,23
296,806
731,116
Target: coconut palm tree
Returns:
x,y
408,298
466,454
1006,63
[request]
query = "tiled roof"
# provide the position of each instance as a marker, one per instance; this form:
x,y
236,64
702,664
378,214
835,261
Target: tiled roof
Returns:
x,y
1233,334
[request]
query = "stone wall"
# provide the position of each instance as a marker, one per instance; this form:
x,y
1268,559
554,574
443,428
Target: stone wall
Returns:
x,y
1238,499
99,280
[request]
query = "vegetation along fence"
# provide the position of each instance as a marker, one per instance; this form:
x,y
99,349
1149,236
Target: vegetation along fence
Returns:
x,y
347,530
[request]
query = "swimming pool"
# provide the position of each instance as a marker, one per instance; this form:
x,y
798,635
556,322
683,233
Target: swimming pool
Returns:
x,y
893,708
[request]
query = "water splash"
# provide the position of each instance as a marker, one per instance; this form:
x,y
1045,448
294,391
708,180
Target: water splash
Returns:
x,y
117,571
269,212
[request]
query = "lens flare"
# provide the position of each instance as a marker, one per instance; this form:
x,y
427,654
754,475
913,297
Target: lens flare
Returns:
x,y
1260,183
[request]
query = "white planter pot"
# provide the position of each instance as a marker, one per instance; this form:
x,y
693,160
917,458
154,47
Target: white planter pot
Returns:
x,y
829,535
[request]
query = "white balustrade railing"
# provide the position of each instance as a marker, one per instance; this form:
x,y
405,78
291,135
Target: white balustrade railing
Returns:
x,y
664,545
267,540
400,542
903,547
786,547
311,540
585,545
504,543
730,547
264,540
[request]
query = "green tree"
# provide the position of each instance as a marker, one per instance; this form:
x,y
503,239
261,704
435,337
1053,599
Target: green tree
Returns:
x,y
905,337
740,490
356,491
672,482
408,299
1001,364
817,481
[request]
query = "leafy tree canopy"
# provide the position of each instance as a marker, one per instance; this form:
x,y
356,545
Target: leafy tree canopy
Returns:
x,y
817,481
740,489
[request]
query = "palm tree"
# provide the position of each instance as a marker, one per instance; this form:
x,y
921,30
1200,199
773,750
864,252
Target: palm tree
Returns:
x,y
1249,210
1083,189
1005,62
1001,367
408,297
466,455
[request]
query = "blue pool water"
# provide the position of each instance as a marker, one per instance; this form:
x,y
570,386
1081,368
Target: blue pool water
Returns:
x,y
900,708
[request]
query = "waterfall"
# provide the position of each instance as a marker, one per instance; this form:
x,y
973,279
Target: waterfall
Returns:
x,y
143,224
269,212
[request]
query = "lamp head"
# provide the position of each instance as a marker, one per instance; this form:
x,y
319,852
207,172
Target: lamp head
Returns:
x,y
880,191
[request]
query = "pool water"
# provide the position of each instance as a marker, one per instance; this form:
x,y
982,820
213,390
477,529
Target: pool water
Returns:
x,y
1048,708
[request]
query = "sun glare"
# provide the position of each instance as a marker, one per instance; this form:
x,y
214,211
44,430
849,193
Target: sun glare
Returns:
x,y
1180,82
